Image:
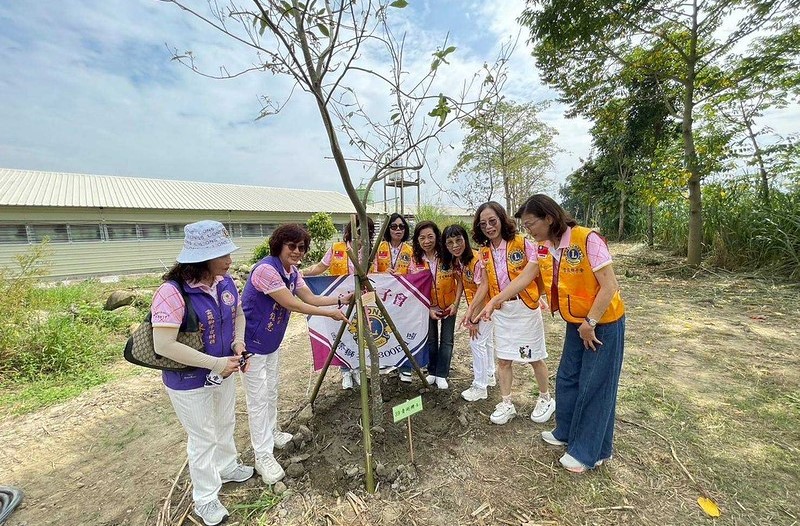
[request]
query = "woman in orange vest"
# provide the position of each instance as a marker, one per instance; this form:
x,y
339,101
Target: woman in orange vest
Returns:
x,y
471,273
394,254
445,296
339,264
576,270
518,326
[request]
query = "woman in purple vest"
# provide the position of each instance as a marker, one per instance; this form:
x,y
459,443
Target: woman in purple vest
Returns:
x,y
204,397
274,288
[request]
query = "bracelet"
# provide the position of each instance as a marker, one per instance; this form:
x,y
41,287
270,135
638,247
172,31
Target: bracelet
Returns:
x,y
339,301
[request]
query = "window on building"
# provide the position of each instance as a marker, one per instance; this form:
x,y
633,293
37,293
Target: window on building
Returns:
x,y
13,234
81,233
251,230
175,231
268,228
153,231
121,232
55,233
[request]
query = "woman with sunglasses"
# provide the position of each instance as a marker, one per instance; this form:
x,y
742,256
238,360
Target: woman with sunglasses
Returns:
x,y
445,296
336,260
274,289
518,326
394,254
472,274
581,285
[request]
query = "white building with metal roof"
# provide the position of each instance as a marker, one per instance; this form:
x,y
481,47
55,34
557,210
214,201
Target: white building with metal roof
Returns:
x,y
115,225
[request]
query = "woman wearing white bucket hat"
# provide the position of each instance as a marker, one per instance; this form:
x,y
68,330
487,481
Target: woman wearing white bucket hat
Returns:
x,y
204,397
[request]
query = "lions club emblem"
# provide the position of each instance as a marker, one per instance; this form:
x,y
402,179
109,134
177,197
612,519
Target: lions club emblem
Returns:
x,y
378,327
574,255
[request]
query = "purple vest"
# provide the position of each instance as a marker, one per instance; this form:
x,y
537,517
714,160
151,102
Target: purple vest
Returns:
x,y
266,319
216,323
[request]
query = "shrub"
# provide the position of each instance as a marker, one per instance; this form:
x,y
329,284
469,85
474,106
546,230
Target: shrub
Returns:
x,y
321,229
260,252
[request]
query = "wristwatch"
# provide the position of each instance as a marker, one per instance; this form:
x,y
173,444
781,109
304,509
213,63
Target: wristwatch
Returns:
x,y
592,323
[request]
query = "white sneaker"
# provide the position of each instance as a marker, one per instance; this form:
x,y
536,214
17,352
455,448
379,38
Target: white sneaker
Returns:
x,y
405,377
430,379
211,513
544,410
239,474
281,439
572,464
474,393
491,381
548,437
441,383
347,380
269,469
503,413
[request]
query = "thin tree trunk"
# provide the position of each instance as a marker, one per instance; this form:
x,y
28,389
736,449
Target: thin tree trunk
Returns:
x,y
694,251
650,231
763,178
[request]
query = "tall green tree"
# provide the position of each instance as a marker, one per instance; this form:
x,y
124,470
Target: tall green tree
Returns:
x,y
506,155
582,45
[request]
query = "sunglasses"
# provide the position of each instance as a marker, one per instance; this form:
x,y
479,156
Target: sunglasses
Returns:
x,y
395,226
491,222
296,246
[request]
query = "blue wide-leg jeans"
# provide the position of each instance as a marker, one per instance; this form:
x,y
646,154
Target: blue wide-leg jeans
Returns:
x,y
586,390
440,346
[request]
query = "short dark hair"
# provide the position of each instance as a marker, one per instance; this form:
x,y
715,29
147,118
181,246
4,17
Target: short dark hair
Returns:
x,y
186,272
507,227
289,233
447,258
417,248
541,206
387,236
348,236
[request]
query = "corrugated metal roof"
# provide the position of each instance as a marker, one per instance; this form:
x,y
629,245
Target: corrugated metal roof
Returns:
x,y
35,188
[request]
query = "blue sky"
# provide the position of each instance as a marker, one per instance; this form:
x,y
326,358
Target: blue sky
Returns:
x,y
88,87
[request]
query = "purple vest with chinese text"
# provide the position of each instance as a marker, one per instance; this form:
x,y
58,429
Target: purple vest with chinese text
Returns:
x,y
266,318
216,320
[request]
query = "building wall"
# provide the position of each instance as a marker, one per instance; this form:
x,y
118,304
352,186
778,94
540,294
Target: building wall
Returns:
x,y
91,242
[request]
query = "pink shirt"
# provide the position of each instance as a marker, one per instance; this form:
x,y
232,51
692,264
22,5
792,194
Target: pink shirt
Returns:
x,y
168,305
479,268
413,267
266,279
500,264
598,253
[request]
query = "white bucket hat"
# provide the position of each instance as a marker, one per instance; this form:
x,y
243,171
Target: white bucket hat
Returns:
x,y
204,241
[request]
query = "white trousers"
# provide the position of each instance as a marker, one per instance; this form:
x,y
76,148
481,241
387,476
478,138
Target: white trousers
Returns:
x,y
261,390
208,416
482,347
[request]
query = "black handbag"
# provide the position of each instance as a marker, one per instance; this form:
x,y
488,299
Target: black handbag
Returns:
x,y
139,350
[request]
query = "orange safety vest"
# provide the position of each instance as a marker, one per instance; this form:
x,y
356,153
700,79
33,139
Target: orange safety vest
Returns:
x,y
576,286
443,291
516,260
383,259
468,275
339,260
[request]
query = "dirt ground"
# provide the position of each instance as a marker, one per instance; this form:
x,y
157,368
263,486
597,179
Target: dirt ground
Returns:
x,y
710,391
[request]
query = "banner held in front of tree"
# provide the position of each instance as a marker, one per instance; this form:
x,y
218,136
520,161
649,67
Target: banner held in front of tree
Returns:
x,y
407,300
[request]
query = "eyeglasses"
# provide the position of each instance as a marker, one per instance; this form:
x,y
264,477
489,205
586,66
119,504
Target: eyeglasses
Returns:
x,y
491,222
529,224
397,226
296,246
454,242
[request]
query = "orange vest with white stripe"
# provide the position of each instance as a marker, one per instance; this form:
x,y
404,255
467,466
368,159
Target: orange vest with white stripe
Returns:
x,y
339,265
577,287
383,259
516,260
468,277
